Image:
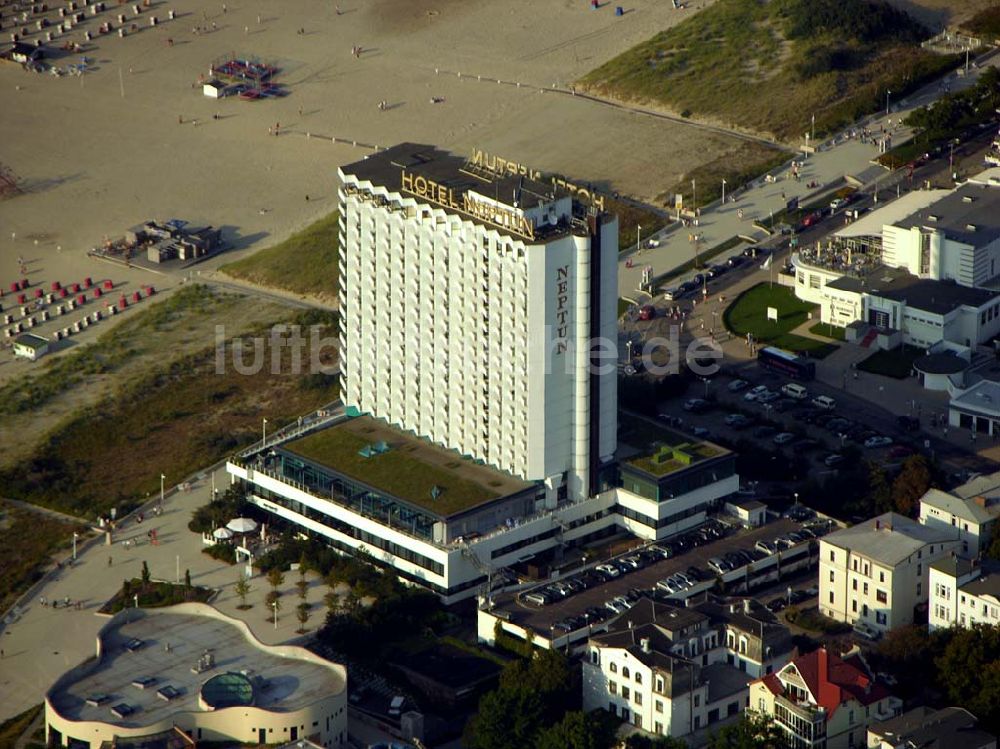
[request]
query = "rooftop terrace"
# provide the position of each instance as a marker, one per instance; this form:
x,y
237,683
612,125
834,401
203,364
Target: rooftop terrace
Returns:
x,y
406,467
163,648
658,450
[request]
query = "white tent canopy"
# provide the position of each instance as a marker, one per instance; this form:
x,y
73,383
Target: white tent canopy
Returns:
x,y
222,533
242,525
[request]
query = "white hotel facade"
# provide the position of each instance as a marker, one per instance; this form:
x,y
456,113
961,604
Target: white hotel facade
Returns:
x,y
470,292
467,319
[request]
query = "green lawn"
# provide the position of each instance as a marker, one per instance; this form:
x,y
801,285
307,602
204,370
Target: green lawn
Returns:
x,y
896,363
771,66
400,471
748,314
305,263
828,331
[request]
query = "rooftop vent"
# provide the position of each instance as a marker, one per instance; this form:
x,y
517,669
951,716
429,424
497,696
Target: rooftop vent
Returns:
x,y
644,642
970,227
932,217
967,198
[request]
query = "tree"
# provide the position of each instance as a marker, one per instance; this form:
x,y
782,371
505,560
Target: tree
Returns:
x,y
641,741
507,719
242,589
579,730
993,550
302,614
969,670
303,585
187,579
911,484
751,732
332,601
879,492
145,574
276,578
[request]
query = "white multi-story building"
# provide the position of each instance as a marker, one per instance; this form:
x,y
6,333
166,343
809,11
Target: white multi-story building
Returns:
x,y
963,592
926,728
876,572
672,671
470,298
972,509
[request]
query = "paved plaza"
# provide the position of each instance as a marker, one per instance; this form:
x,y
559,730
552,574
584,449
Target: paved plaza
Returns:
x,y
45,641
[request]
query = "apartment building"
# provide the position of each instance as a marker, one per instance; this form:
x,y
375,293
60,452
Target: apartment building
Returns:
x,y
672,671
963,592
823,701
876,572
972,508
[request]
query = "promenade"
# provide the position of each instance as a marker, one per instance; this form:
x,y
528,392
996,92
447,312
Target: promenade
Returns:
x,y
829,164
45,641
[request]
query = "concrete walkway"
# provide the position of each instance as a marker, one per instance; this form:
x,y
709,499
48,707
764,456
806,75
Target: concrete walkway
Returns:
x,y
829,164
45,642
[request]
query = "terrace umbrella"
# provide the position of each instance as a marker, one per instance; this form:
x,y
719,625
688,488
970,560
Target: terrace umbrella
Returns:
x,y
242,525
221,534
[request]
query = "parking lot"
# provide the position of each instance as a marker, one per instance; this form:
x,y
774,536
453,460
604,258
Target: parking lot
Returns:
x,y
586,595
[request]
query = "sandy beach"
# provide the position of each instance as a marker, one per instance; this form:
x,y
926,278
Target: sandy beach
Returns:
x,y
100,152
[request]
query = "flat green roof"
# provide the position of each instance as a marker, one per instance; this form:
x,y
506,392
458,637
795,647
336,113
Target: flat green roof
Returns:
x,y
659,450
409,469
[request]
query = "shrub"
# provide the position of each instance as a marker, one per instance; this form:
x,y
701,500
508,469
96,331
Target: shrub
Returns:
x,y
223,552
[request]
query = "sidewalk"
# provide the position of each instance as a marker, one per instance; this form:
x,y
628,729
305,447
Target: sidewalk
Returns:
x,y
830,163
45,642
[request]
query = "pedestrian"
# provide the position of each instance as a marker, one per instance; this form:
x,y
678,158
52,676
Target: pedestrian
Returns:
x,y
224,8
270,131
110,561
180,119
307,198
300,111
246,30
1,653
258,20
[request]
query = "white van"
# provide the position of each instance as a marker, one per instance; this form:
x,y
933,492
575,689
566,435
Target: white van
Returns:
x,y
794,390
825,402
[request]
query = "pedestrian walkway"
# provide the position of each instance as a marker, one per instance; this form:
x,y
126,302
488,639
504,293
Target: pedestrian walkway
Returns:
x,y
46,641
839,157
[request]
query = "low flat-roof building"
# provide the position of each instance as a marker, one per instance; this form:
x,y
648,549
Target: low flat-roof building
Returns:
x,y
876,572
976,409
192,668
447,522
31,346
927,728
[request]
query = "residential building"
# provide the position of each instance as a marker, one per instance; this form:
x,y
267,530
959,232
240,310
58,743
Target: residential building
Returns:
x,y
963,592
672,671
926,728
475,301
876,572
190,668
972,509
823,701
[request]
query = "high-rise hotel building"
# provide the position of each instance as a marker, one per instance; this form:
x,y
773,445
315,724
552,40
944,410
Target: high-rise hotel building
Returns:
x,y
471,293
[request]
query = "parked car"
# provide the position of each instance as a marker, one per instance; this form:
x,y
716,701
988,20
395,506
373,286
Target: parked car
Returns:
x,y
536,599
737,385
768,397
873,442
833,460
795,390
647,312
804,446
767,547
672,294
837,203
701,433
737,421
717,270
735,261
754,393
784,438
608,570
695,405
718,565
825,402
778,604
900,451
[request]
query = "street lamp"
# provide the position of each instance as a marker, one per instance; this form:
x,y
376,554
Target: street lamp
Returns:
x,y
694,194
887,92
263,441
723,192
638,230
706,380
162,479
813,130
274,605
75,534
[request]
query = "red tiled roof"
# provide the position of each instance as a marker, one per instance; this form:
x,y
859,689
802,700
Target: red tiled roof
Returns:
x,y
834,681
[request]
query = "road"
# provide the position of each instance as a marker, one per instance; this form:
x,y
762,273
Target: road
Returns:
x,y
827,167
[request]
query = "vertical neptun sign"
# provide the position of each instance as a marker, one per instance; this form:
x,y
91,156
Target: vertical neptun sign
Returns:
x,y
562,308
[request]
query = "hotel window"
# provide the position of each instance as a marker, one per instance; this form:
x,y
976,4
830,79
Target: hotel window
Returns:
x,y
854,584
612,687
638,678
881,596
659,706
625,672
854,606
864,588
625,692
881,576
638,698
831,596
614,668
832,558
832,575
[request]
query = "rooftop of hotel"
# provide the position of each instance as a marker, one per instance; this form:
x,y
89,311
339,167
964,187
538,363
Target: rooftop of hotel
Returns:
x,y
659,451
165,648
407,467
458,174
889,538
936,297
967,214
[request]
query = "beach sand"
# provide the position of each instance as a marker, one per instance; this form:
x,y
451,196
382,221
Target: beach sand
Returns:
x,y
101,152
